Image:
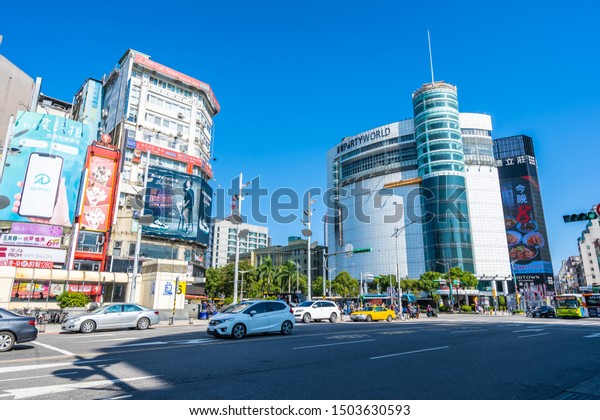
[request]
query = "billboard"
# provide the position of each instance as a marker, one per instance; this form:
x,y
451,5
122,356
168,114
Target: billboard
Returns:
x,y
19,256
526,234
179,205
45,160
98,194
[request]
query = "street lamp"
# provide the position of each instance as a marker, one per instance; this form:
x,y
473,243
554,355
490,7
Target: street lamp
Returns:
x,y
237,220
297,270
447,266
308,233
242,285
396,234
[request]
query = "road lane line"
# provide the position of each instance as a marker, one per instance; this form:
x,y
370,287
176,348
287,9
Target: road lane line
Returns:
x,y
22,393
467,331
120,397
533,335
41,376
50,365
331,344
408,352
65,352
592,336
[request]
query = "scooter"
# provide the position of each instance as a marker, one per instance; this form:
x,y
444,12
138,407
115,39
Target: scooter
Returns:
x,y
432,313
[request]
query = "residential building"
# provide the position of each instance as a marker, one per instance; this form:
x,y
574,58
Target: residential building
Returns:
x,y
588,255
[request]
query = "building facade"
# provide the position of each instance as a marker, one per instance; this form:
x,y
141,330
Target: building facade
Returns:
x,y
422,193
529,250
587,243
161,120
223,240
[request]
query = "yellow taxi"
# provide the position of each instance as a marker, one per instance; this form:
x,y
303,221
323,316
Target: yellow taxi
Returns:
x,y
373,313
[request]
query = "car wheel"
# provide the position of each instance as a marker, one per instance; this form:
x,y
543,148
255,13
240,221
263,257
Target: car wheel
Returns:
x,y
389,318
306,318
286,328
143,323
238,331
333,318
87,327
7,341
369,318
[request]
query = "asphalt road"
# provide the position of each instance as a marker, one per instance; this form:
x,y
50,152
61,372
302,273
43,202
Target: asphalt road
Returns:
x,y
454,357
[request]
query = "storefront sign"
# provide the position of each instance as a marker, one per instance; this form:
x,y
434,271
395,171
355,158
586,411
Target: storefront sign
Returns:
x,y
97,202
32,254
36,229
31,240
26,264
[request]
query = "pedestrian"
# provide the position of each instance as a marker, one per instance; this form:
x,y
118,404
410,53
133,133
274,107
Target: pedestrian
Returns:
x,y
417,310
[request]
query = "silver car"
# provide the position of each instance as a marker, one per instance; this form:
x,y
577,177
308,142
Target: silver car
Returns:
x,y
113,316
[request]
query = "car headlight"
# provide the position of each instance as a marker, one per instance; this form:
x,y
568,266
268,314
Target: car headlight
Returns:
x,y
221,321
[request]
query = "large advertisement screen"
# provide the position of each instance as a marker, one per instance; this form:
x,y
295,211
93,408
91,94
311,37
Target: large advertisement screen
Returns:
x,y
179,205
44,165
98,192
526,234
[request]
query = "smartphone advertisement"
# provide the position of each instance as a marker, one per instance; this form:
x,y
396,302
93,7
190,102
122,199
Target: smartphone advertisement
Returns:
x,y
45,161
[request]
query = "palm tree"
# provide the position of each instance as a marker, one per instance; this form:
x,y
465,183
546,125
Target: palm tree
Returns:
x,y
267,270
287,272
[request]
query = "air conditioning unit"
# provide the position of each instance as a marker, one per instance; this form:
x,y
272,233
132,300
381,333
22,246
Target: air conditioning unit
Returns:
x,y
104,113
180,116
197,140
128,201
76,266
96,267
179,134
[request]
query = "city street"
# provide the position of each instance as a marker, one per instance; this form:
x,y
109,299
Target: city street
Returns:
x,y
451,357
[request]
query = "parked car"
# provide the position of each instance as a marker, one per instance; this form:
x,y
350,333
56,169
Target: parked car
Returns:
x,y
373,313
251,317
317,310
112,316
544,312
15,328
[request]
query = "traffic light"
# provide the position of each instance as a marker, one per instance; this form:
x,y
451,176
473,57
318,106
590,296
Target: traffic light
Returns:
x,y
360,250
580,217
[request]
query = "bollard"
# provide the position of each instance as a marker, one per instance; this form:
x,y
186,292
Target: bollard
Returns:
x,y
191,319
41,328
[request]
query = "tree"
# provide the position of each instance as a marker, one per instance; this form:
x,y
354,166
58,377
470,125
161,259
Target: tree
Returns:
x,y
344,285
267,271
287,275
214,282
72,300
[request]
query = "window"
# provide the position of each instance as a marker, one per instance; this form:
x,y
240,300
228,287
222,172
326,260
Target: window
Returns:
x,y
117,248
113,309
131,308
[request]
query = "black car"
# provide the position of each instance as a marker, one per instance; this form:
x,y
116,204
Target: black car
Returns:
x,y
15,328
544,312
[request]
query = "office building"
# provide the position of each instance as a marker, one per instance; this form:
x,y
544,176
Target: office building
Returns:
x,y
223,240
587,244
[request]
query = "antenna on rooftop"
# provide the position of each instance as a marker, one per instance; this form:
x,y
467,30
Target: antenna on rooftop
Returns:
x,y
430,58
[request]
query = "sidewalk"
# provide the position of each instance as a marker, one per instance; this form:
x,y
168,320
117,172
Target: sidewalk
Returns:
x,y
200,323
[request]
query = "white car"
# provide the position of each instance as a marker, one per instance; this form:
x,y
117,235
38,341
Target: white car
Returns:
x,y
112,316
317,310
253,317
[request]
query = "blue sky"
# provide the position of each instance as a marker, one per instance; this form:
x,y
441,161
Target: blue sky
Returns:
x,y
294,77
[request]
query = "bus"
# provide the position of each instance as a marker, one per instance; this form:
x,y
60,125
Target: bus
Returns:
x,y
592,302
571,305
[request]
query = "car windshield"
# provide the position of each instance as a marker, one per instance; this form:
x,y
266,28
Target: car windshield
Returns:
x,y
306,303
368,308
236,309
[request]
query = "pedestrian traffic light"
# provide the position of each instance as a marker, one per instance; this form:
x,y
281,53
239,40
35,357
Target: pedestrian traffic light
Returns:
x,y
580,217
360,250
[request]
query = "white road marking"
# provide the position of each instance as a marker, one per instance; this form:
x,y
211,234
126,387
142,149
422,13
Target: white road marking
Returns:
x,y
408,352
533,335
467,331
121,397
49,365
114,339
592,336
41,376
22,393
529,330
332,344
68,353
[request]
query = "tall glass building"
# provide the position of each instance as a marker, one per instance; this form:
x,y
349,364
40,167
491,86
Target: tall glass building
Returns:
x,y
440,160
422,193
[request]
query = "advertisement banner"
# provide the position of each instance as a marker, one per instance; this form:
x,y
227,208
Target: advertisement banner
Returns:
x,y
46,157
98,194
8,253
26,264
36,229
30,240
141,147
526,234
175,199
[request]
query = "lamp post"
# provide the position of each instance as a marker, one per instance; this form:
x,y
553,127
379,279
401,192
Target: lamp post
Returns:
x,y
514,277
237,219
242,272
396,234
447,266
308,233
297,274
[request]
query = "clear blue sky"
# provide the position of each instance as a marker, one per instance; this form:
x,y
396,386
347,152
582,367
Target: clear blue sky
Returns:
x,y
294,77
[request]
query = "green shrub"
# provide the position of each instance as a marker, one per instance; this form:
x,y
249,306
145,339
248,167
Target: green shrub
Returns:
x,y
444,308
466,308
72,300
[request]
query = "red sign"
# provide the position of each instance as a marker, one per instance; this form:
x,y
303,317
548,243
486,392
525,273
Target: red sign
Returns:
x,y
98,193
88,289
146,62
171,154
105,138
26,264
598,209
